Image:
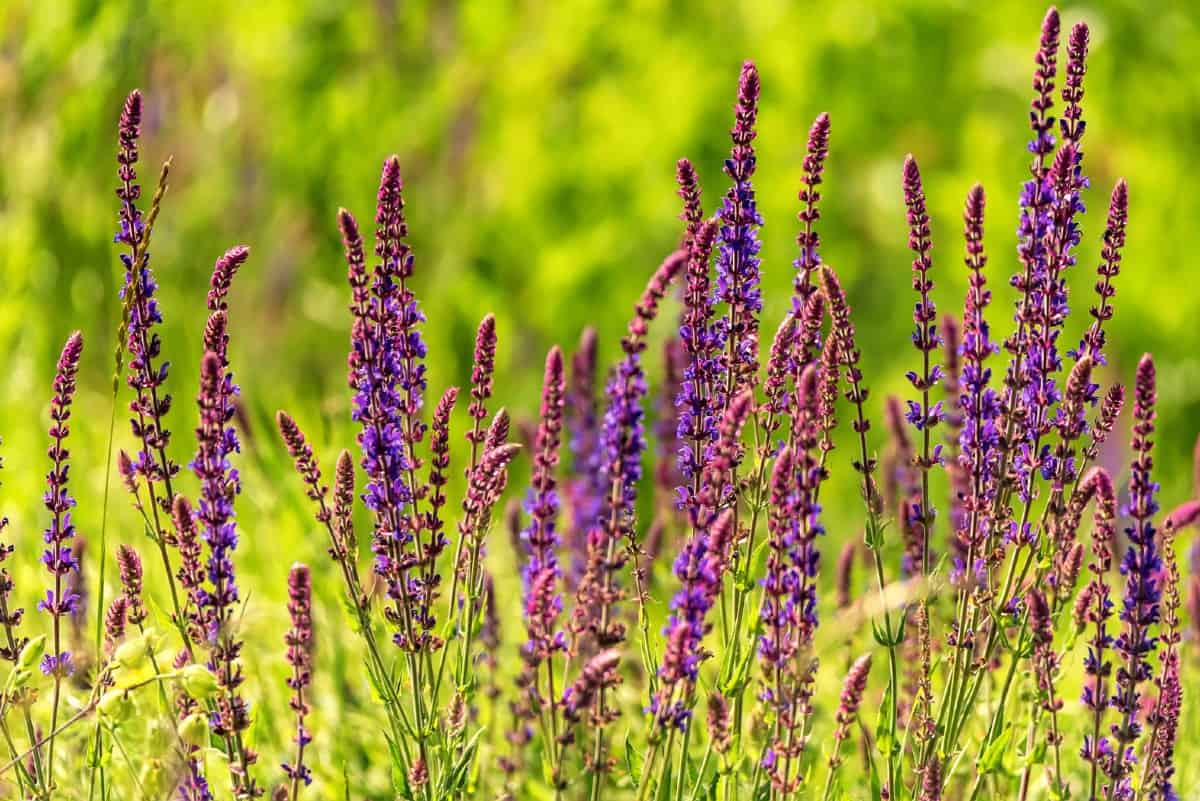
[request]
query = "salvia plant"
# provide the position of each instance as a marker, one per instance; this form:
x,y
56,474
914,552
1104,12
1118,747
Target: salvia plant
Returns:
x,y
1025,625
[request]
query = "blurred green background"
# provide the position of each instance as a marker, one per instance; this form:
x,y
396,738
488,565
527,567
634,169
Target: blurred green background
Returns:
x,y
538,143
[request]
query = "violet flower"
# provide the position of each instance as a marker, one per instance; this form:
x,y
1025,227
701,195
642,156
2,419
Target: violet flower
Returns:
x,y
299,641
1035,219
700,568
738,262
219,485
129,567
146,377
542,572
59,557
980,438
718,722
10,616
808,240
387,374
115,620
1095,338
598,674
702,393
1141,567
482,371
585,490
923,416
1159,781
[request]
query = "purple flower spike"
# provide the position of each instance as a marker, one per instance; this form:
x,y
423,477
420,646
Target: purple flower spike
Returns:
x,y
543,601
808,240
1095,337
482,371
59,557
852,694
923,415
700,568
129,565
702,392
980,438
299,641
738,263
1142,568
585,490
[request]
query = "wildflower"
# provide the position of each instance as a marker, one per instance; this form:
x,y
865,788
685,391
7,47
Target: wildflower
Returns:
x,y
809,240
700,568
541,573
585,491
718,722
738,262
482,371
59,557
1141,567
980,436
299,656
129,565
701,394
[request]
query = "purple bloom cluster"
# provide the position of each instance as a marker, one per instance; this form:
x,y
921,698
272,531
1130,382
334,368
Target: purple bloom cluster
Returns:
x,y
921,415
1141,567
387,374
808,240
585,489
59,558
543,602
700,568
299,655
702,392
738,262
147,378
980,405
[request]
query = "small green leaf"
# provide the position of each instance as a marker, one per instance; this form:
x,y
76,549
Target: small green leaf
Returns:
x,y
993,755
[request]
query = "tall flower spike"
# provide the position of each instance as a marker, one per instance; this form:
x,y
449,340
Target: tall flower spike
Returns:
x,y
191,573
842,329
623,442
299,641
951,330
702,392
387,373
481,381
922,414
542,573
808,240
1141,567
700,568
219,485
129,565
222,276
1094,608
1030,282
1095,338
738,263
979,402
853,689
586,488
59,557
689,192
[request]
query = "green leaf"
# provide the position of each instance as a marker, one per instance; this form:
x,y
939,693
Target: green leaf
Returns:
x,y
993,756
633,761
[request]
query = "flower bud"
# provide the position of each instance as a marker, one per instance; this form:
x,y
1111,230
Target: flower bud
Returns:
x,y
132,653
115,705
194,730
153,779
32,652
199,682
